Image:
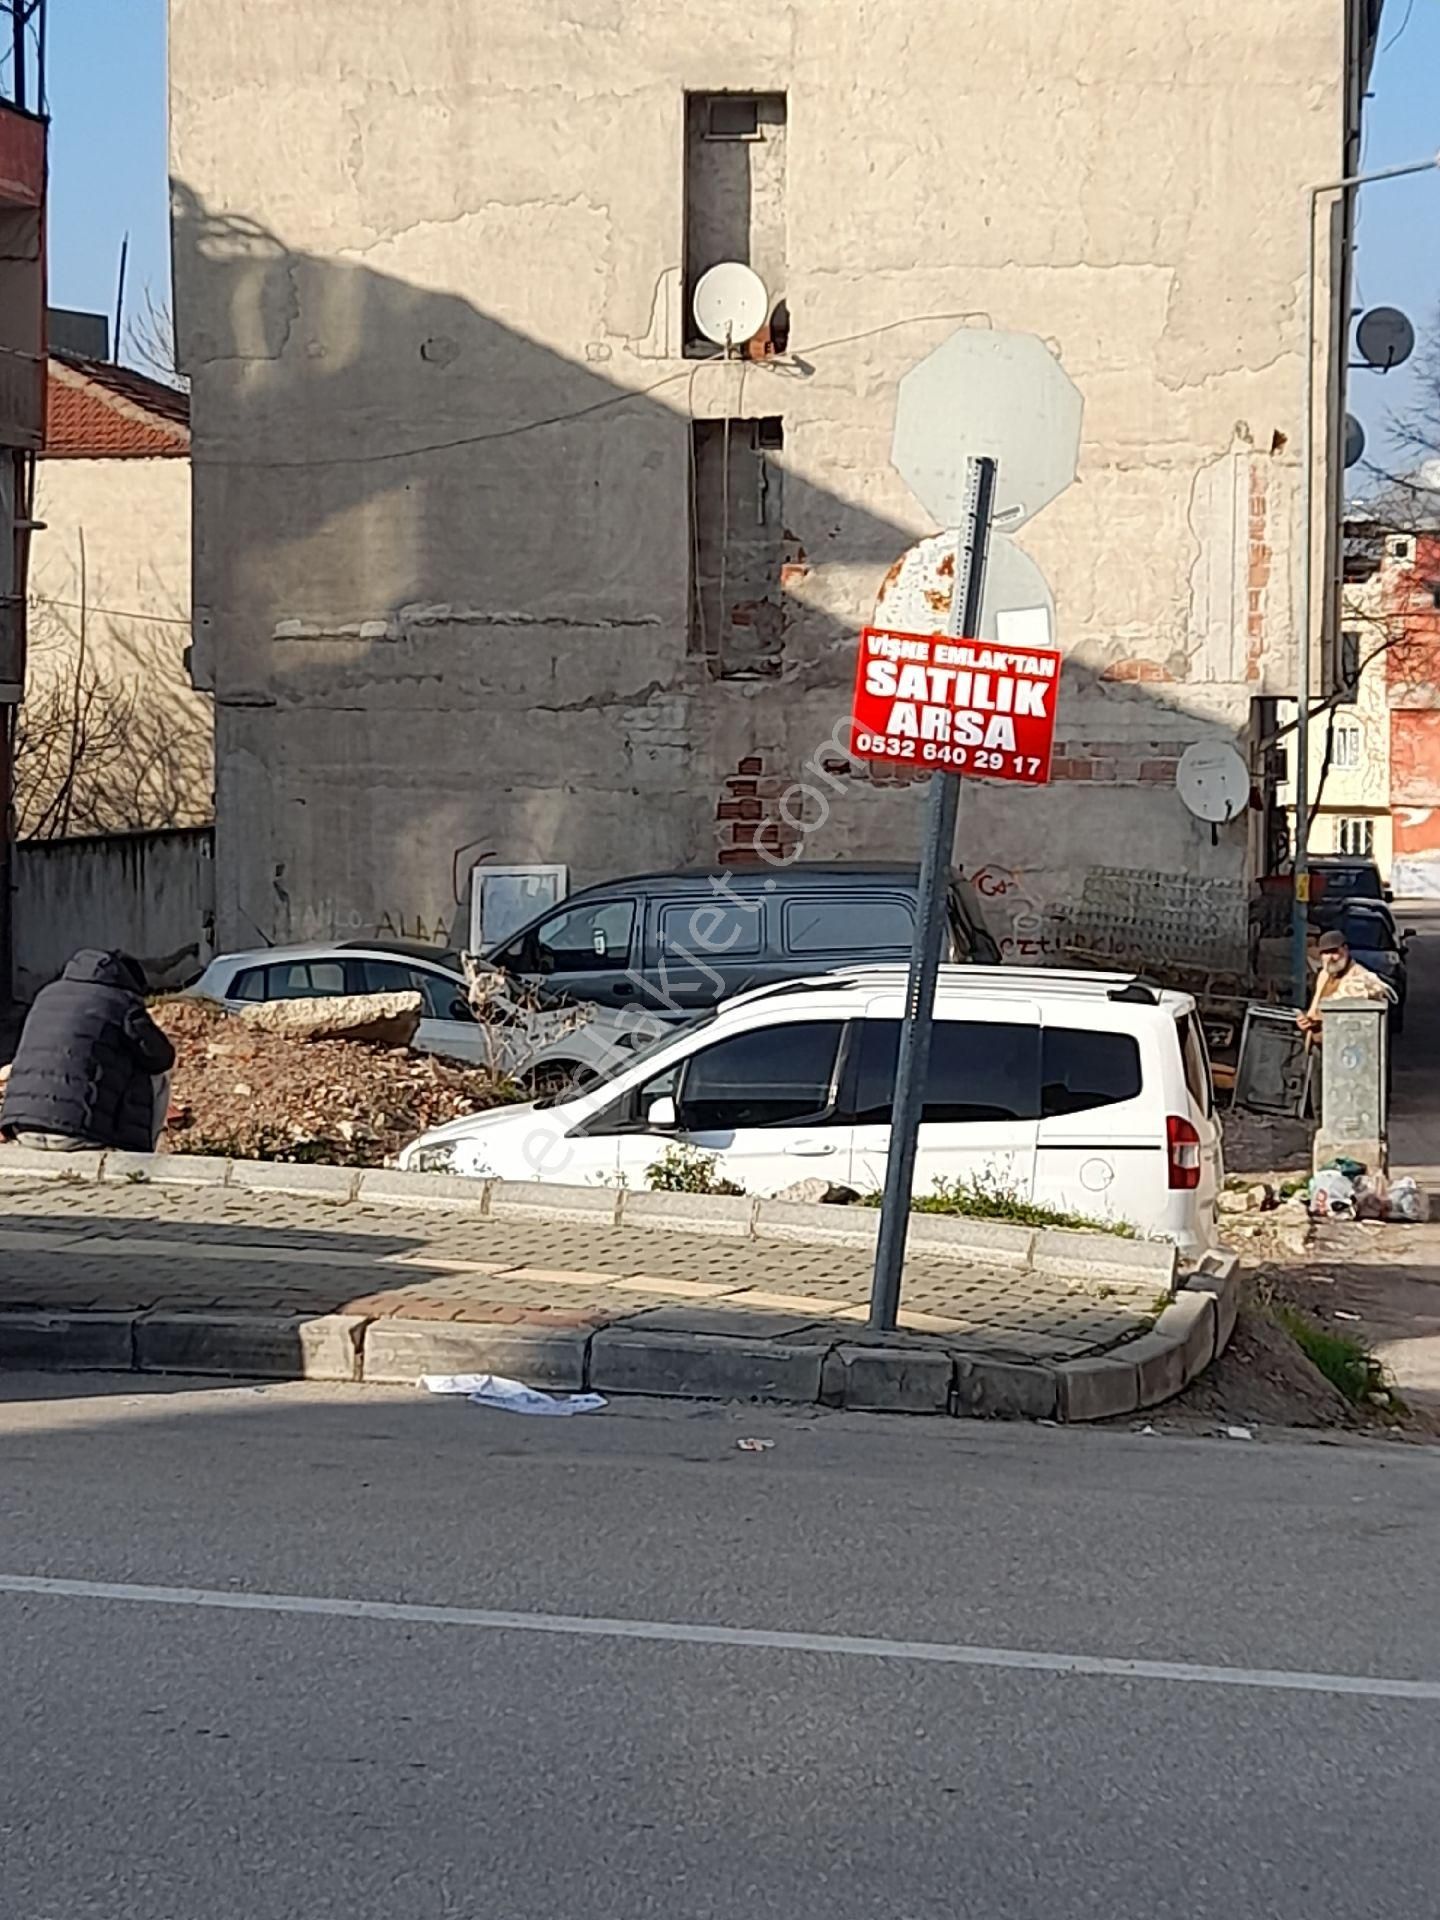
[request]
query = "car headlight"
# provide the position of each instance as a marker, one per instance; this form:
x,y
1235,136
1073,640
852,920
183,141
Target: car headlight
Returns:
x,y
439,1158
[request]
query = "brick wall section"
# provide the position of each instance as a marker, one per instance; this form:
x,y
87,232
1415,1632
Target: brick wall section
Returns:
x,y
748,822
748,825
1147,671
1122,763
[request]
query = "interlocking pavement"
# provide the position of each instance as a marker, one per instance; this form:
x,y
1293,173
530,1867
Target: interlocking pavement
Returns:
x,y
140,1247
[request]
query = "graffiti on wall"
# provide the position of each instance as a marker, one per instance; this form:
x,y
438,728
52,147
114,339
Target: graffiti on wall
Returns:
x,y
327,921
1017,913
399,925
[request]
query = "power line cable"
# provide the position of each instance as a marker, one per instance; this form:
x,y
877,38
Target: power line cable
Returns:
x,y
1409,9
514,432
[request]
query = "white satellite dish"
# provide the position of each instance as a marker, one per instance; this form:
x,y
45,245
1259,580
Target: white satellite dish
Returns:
x,y
1213,781
731,304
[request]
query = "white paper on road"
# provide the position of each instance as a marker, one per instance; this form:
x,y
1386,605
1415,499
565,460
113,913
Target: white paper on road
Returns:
x,y
510,1396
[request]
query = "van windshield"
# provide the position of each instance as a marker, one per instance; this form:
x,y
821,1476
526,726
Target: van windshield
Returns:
x,y
622,1058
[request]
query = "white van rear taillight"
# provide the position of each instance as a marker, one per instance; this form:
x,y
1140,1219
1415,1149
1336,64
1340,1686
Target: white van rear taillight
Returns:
x,y
1182,1145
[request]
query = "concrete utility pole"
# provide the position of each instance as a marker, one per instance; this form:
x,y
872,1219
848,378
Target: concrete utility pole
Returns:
x,y
1300,907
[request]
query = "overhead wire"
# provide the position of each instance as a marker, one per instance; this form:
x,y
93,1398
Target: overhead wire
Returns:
x,y
1409,9
116,613
618,399
790,362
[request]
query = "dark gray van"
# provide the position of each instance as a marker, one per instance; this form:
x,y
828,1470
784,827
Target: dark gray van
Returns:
x,y
676,943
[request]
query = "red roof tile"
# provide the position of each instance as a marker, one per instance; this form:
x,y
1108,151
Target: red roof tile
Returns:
x,y
98,411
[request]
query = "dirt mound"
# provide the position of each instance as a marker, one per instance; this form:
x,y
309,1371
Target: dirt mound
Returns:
x,y
254,1095
1264,1380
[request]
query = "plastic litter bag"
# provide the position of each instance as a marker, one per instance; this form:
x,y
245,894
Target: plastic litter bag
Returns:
x,y
510,1396
1405,1201
1372,1197
1332,1195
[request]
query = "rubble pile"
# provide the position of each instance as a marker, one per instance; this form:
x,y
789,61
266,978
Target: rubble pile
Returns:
x,y
246,1093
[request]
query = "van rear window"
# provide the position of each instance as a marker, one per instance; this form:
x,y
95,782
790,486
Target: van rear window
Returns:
x,y
1083,1070
848,924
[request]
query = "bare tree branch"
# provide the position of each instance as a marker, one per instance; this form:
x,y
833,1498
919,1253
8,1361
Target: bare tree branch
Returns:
x,y
1408,500
104,751
150,338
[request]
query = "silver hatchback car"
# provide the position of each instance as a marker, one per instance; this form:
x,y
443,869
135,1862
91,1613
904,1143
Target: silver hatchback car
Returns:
x,y
546,1047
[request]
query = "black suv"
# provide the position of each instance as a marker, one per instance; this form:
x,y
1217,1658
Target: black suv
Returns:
x,y
676,943
1339,880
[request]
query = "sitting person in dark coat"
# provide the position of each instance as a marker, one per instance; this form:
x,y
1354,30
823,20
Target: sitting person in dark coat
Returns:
x,y
92,1068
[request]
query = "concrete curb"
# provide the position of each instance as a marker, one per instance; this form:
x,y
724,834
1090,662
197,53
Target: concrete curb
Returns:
x,y
887,1374
1146,1268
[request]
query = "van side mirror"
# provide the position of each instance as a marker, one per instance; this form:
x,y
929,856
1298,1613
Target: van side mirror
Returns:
x,y
660,1115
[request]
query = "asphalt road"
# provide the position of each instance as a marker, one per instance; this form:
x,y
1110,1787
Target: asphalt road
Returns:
x,y
613,1666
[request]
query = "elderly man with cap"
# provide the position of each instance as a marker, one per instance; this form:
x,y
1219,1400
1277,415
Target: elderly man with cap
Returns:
x,y
1341,978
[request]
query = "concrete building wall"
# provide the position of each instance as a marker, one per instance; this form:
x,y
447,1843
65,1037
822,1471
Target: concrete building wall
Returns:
x,y
108,698
150,893
430,293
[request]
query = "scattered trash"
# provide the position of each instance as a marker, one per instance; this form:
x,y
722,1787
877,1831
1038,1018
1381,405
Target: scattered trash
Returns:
x,y
1407,1202
509,1396
1372,1197
1145,1429
1332,1195
823,1193
1248,1196
754,1446
1238,1433
1340,1314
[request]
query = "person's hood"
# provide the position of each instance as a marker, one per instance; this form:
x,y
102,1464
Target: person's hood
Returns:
x,y
106,970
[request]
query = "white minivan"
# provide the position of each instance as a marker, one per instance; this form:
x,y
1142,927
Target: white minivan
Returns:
x,y
1088,1093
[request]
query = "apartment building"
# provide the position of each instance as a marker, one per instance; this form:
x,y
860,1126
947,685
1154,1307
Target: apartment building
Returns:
x,y
496,556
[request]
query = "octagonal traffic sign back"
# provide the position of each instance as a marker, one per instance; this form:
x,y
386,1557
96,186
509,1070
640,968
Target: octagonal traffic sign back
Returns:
x,y
1016,605
982,392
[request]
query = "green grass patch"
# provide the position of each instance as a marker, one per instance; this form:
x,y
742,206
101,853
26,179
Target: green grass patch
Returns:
x,y
682,1169
984,1199
1347,1363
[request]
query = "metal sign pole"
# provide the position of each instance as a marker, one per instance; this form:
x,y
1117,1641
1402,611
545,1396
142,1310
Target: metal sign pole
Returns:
x,y
941,810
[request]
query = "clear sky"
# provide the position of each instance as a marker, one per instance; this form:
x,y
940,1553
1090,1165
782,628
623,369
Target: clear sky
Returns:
x,y
1397,260
108,168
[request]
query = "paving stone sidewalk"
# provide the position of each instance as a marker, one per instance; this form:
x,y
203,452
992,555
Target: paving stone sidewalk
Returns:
x,y
138,1248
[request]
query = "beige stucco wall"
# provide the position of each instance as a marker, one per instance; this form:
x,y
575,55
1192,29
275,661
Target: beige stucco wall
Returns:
x,y
433,621
111,571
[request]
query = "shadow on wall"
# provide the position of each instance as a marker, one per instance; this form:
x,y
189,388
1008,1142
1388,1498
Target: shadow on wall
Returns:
x,y
442,587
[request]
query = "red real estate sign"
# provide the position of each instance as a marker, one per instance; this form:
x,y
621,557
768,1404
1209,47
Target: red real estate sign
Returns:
x,y
960,706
